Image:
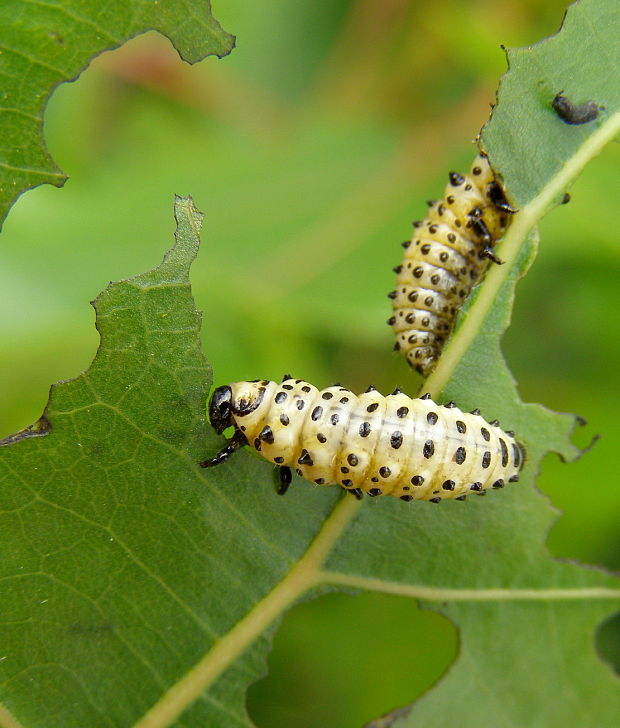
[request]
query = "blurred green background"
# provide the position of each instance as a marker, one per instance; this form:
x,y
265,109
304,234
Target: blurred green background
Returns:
x,y
311,148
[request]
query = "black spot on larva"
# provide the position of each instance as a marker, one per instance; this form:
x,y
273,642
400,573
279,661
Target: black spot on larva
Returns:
x,y
300,404
418,272
364,429
391,321
435,279
461,427
425,321
450,405
266,435
428,300
372,407
347,483
306,389
495,423
299,472
344,400
305,458
280,397
516,455
456,179
434,500
406,497
429,449
374,492
413,296
504,450
417,480
316,413
513,479
287,386
402,412
427,395
499,483
384,471
320,481
486,435
396,440
279,459
371,388
284,420
431,418
448,485
475,412
425,249
257,444
475,486
406,243
334,419
352,459
321,437
410,318
486,459
344,470
327,395
460,455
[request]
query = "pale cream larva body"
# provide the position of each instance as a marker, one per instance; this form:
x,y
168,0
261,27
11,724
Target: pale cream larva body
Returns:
x,y
394,445
447,255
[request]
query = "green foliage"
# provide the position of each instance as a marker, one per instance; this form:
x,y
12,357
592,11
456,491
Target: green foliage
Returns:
x,y
133,581
46,44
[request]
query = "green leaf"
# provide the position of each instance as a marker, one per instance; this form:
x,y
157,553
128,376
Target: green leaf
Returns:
x,y
45,44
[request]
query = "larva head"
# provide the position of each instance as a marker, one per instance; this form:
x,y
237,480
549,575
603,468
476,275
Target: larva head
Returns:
x,y
234,401
220,413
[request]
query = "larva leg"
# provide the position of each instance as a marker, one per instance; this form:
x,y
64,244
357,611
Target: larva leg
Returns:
x,y
236,441
488,253
480,227
284,479
357,492
495,193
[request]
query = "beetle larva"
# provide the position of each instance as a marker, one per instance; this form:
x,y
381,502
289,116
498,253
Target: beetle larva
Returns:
x,y
413,449
448,254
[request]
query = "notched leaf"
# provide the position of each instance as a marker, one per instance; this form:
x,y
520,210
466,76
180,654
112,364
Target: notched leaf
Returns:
x,y
40,428
49,45
528,141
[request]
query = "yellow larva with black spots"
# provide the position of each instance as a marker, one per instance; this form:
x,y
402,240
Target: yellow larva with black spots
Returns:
x,y
413,449
448,254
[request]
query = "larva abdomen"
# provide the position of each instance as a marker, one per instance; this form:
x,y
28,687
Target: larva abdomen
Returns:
x,y
447,255
380,445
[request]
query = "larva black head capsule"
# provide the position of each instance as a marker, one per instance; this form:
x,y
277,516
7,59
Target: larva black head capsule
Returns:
x,y
220,409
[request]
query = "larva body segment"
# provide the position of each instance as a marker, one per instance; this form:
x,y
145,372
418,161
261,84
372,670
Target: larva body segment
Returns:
x,y
380,445
448,254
